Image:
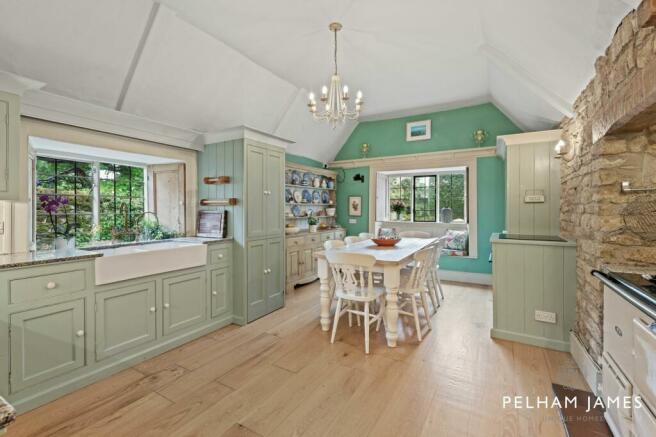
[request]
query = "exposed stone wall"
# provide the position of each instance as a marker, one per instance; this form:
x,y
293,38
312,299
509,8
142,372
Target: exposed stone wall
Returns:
x,y
612,138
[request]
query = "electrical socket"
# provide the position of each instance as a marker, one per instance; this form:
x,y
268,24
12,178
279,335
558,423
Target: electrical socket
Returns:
x,y
545,316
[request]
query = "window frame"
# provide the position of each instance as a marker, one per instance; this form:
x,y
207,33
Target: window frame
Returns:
x,y
435,172
95,189
414,197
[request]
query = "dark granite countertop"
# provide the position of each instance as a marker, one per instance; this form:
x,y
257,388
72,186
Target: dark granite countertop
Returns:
x,y
44,257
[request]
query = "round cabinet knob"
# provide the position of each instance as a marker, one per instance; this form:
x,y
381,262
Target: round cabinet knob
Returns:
x,y
268,270
220,256
166,305
265,271
51,285
80,333
214,293
152,309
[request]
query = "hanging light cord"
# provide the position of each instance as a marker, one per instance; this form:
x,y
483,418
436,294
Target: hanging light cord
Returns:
x,y
335,55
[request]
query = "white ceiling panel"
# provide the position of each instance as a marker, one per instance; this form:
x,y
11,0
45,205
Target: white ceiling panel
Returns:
x,y
80,48
209,65
189,78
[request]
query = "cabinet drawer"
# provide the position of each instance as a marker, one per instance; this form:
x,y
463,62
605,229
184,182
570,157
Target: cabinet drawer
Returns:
x,y
295,242
47,284
327,236
312,240
221,256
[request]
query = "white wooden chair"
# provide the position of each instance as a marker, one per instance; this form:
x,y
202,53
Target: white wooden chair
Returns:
x,y
333,244
414,234
351,240
365,236
354,284
435,277
414,286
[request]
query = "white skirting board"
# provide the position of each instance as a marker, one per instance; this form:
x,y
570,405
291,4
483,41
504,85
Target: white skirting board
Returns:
x,y
467,277
587,365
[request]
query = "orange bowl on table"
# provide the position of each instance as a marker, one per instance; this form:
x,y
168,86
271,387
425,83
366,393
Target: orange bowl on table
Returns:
x,y
385,241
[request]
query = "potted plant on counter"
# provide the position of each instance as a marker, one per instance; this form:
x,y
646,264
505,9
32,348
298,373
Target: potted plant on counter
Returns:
x,y
313,223
57,208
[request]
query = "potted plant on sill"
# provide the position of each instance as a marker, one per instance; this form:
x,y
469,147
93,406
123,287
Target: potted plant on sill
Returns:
x,y
57,207
397,208
313,223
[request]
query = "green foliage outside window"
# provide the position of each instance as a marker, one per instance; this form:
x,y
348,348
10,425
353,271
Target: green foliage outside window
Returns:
x,y
118,185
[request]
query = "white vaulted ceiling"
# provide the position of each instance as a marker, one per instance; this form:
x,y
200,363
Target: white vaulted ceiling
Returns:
x,y
208,65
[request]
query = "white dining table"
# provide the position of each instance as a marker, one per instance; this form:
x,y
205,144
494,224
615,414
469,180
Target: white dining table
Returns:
x,y
389,261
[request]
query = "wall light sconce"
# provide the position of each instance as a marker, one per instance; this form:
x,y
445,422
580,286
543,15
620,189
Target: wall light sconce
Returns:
x,y
359,177
364,150
480,135
560,149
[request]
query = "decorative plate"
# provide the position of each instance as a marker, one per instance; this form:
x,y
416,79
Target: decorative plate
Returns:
x,y
288,177
325,197
307,178
316,182
331,184
316,196
307,196
298,197
296,210
296,177
289,197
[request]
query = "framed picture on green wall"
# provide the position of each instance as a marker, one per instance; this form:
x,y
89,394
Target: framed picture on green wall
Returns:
x,y
355,206
418,130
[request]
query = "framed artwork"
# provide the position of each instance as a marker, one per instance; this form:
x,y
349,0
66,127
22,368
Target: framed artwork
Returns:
x,y
418,130
355,206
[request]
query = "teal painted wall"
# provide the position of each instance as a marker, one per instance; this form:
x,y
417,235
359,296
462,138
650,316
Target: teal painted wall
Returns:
x,y
451,129
297,159
347,188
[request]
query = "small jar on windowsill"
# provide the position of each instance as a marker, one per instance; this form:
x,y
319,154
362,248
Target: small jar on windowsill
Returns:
x,y
63,244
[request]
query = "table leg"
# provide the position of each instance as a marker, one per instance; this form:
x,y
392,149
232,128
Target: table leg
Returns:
x,y
392,279
324,299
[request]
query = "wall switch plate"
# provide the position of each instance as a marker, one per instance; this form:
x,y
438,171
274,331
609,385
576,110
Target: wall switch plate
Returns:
x,y
353,221
545,316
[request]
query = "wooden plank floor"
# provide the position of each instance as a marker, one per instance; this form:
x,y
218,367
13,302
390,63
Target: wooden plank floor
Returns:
x,y
280,376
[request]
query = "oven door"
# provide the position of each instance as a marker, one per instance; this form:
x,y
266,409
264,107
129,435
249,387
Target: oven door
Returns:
x,y
644,420
644,355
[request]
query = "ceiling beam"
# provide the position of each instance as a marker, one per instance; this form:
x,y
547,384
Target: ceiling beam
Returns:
x,y
137,55
511,67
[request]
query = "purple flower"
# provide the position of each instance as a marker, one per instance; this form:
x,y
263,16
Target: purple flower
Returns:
x,y
44,198
63,200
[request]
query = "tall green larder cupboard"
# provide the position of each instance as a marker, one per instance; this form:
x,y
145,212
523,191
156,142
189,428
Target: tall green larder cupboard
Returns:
x,y
256,170
9,146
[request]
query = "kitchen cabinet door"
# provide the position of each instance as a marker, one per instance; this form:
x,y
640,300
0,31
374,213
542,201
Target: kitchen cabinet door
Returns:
x,y
125,318
221,291
256,297
293,258
185,301
306,262
256,216
275,277
274,198
10,173
46,342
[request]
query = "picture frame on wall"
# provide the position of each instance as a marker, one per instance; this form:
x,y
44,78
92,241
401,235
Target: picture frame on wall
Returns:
x,y
355,206
418,130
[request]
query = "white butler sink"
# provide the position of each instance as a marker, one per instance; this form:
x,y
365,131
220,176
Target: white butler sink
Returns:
x,y
129,262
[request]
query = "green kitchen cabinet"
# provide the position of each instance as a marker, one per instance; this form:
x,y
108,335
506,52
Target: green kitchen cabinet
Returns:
x,y
9,146
264,194
46,342
220,292
184,301
256,271
265,277
275,278
125,318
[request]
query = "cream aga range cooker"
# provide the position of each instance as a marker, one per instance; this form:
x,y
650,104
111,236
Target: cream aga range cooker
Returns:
x,y
629,357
